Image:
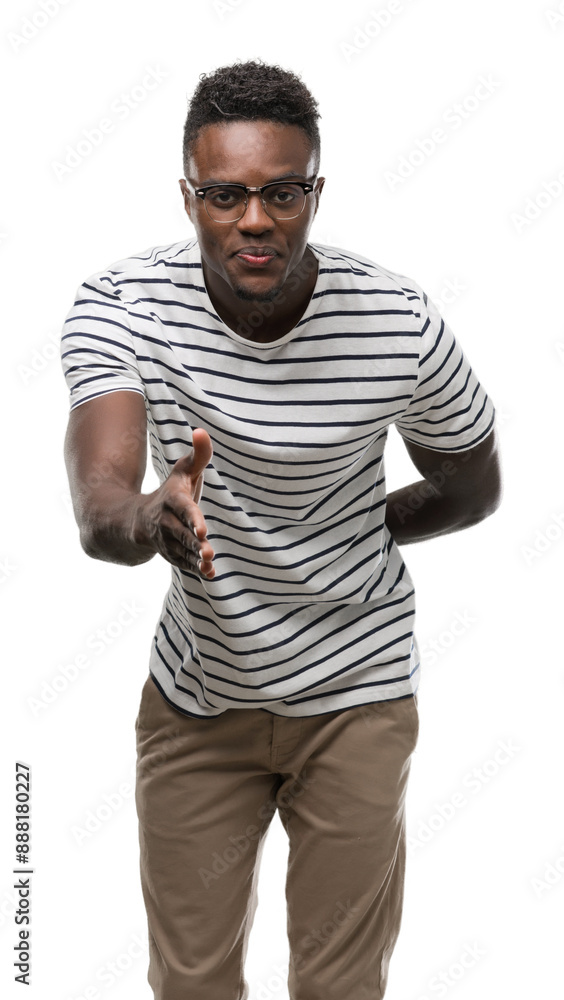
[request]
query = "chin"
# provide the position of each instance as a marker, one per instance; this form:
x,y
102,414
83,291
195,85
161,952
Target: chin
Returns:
x,y
252,295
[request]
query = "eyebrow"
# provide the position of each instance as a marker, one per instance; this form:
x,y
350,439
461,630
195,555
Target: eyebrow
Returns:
x,y
283,177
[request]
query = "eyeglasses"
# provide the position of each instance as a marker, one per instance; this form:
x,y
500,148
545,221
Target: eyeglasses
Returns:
x,y
228,202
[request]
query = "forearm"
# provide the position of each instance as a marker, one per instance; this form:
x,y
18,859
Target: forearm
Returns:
x,y
109,528
420,511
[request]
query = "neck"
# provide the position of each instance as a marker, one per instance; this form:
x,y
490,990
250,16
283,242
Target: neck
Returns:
x,y
263,321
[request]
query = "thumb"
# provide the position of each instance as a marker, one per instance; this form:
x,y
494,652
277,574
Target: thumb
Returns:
x,y
196,461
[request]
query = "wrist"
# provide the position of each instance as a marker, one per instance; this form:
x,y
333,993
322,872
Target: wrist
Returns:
x,y
419,511
137,523
116,529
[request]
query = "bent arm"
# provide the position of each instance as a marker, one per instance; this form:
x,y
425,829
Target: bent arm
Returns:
x,y
106,456
459,490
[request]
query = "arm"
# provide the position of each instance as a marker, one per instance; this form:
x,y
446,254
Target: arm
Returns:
x,y
459,490
106,456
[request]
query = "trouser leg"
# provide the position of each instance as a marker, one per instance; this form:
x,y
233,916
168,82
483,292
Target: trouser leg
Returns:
x,y
204,805
346,867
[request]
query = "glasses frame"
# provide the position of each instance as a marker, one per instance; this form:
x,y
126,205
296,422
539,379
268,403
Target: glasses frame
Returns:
x,y
201,193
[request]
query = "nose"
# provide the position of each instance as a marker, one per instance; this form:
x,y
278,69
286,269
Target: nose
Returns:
x,y
255,219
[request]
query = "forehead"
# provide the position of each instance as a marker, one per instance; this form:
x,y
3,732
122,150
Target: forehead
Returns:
x,y
250,152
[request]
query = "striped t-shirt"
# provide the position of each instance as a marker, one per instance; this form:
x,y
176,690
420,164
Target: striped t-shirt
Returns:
x,y
312,608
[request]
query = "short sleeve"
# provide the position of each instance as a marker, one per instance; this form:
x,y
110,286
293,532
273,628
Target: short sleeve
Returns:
x,y
97,351
449,409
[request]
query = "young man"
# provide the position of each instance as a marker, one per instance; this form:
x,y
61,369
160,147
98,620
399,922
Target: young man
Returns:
x,y
284,669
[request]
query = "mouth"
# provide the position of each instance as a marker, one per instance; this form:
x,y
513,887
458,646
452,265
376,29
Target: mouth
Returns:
x,y
256,256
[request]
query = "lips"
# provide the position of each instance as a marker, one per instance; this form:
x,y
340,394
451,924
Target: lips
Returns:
x,y
256,252
256,256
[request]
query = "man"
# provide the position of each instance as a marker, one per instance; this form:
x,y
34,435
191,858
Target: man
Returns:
x,y
284,669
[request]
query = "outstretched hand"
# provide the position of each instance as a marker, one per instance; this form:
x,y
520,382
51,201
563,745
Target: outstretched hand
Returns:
x,y
170,519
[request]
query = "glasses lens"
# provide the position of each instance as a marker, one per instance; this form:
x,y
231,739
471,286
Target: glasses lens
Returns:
x,y
284,201
226,203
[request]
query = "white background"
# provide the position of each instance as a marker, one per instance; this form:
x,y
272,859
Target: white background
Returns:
x,y
488,873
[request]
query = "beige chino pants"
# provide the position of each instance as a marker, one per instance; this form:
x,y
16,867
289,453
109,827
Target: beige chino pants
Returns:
x,y
206,792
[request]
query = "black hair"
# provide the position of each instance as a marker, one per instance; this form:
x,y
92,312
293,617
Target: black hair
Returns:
x,y
251,91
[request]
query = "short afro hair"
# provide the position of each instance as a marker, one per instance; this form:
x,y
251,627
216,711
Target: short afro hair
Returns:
x,y
251,91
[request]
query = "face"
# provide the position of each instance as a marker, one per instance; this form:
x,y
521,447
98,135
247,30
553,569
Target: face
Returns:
x,y
253,154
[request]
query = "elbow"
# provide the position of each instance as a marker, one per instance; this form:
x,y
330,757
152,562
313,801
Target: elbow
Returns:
x,y
486,508
97,544
92,541
487,499
88,543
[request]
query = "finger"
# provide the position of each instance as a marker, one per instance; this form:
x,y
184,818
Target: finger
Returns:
x,y
185,515
183,537
206,569
187,560
178,555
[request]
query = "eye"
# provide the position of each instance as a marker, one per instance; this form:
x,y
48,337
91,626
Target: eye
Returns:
x,y
224,197
283,194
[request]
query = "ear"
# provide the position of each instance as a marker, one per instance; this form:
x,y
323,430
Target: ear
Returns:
x,y
186,196
317,192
